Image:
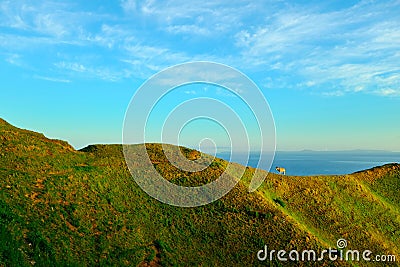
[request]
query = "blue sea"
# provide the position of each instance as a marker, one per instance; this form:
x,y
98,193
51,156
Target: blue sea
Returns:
x,y
303,163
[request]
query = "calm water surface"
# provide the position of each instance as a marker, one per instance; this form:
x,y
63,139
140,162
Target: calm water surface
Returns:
x,y
322,162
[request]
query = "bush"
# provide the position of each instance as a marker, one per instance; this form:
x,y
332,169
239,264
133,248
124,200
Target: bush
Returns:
x,y
279,202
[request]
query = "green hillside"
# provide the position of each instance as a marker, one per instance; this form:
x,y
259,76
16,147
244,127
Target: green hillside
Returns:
x,y
62,207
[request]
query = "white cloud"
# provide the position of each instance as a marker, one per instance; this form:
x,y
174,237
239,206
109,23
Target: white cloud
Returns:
x,y
388,92
129,5
310,83
192,18
188,29
99,72
144,51
15,59
44,18
333,93
77,67
353,49
49,24
110,36
45,23
51,79
303,46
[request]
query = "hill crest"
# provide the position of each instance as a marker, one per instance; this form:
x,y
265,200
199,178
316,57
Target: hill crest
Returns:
x,y
84,208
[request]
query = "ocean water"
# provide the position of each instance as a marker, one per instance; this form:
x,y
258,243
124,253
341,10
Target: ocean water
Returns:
x,y
304,163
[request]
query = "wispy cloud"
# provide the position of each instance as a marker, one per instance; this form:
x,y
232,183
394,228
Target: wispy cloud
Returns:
x,y
129,5
52,79
15,59
349,49
333,93
42,19
104,39
193,18
387,92
102,73
188,29
109,36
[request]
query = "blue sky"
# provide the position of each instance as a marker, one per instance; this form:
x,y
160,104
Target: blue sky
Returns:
x,y
329,69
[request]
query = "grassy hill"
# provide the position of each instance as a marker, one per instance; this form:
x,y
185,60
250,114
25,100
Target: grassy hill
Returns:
x,y
62,207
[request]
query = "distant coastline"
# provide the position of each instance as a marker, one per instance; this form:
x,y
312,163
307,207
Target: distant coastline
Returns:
x,y
311,162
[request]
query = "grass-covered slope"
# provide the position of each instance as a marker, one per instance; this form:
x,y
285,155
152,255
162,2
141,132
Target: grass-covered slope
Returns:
x,y
59,206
